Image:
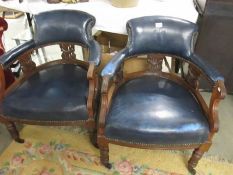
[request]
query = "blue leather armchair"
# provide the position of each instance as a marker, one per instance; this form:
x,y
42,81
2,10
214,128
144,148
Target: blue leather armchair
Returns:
x,y
153,108
60,92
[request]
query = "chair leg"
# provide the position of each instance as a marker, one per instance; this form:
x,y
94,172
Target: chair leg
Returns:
x,y
13,132
93,138
196,156
104,156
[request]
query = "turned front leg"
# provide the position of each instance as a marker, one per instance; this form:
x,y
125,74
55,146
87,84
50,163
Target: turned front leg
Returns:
x,y
93,137
104,156
193,161
13,132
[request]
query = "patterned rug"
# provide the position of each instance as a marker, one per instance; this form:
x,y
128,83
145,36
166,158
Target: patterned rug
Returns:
x,y
53,151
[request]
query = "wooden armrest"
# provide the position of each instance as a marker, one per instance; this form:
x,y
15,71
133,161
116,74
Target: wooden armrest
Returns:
x,y
91,72
107,91
218,93
93,88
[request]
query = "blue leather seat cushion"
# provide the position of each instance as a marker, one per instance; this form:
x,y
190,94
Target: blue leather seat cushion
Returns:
x,y
53,94
155,110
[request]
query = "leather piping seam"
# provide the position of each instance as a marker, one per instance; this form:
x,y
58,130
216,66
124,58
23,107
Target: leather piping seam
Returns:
x,y
41,121
152,145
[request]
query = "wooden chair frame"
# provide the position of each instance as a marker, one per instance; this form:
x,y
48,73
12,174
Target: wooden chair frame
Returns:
x,y
29,68
189,81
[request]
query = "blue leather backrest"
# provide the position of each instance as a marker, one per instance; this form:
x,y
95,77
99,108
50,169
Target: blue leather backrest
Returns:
x,y
63,25
59,26
158,34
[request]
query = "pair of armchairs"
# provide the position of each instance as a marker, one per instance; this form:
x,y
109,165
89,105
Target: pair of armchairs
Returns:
x,y
148,108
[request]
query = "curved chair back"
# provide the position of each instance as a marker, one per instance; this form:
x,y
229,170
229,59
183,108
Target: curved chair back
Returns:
x,y
161,35
56,26
63,25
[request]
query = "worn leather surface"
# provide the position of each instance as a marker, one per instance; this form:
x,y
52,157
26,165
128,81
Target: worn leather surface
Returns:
x,y
161,34
154,110
63,25
58,93
157,34
214,75
60,26
67,26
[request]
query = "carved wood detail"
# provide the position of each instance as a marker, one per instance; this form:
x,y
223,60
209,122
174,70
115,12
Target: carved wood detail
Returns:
x,y
155,62
67,52
104,105
26,63
218,94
